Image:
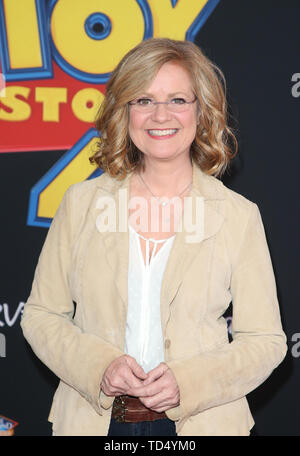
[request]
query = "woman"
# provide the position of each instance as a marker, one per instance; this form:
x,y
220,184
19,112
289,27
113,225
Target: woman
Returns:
x,y
153,252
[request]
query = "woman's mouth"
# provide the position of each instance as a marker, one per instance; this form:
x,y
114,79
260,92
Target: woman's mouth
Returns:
x,y
162,134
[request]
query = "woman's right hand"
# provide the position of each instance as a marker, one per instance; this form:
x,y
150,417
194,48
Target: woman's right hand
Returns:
x,y
122,376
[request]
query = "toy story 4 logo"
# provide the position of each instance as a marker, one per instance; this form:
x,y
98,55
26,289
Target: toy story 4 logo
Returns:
x,y
56,56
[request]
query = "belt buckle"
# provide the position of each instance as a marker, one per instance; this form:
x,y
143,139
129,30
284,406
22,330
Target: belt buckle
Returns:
x,y
119,409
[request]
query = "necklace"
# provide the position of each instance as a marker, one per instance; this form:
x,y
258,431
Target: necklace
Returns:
x,y
163,203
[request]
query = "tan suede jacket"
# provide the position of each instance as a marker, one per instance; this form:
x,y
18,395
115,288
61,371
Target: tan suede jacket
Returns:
x,y
231,263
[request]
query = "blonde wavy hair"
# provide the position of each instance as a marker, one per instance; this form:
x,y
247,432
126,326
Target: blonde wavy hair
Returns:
x,y
215,143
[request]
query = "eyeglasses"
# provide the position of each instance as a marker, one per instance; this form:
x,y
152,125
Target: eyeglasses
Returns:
x,y
148,105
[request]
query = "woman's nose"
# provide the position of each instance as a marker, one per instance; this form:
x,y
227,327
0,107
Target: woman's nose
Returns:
x,y
161,112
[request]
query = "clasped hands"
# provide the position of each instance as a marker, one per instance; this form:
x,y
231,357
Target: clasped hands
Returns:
x,y
157,390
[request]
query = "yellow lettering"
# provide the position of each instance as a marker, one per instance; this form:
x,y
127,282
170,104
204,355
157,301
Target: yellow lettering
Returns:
x,y
51,97
90,55
23,38
77,170
174,22
85,104
12,108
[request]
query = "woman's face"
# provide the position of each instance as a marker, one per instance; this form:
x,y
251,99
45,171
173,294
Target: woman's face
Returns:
x,y
162,134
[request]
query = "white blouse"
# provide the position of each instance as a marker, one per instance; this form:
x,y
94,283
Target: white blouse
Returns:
x,y
144,338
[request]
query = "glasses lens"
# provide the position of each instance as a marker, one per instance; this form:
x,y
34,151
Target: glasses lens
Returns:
x,y
178,105
144,107
172,107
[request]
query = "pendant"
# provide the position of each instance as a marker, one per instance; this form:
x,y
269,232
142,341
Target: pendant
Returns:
x,y
164,203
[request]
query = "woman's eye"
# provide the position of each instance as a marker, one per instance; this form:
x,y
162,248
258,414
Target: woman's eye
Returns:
x,y
178,101
143,101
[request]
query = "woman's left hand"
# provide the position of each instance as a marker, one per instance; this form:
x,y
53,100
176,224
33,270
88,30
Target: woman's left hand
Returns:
x,y
160,391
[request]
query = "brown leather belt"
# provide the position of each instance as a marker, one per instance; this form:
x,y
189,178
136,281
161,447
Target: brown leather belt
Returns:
x,y
129,409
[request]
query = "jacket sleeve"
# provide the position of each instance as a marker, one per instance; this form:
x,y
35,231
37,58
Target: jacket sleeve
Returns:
x,y
77,358
231,371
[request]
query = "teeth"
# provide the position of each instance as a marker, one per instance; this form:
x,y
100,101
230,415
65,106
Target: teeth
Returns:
x,y
162,132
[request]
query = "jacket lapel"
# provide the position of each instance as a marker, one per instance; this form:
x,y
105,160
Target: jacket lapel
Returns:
x,y
116,242
183,252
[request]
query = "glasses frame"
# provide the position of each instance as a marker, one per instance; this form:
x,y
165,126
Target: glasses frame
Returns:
x,y
167,103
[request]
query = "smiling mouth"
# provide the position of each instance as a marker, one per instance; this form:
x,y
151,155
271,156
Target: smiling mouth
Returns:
x,y
162,133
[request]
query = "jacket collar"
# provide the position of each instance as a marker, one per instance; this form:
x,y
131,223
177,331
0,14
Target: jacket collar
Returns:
x,y
182,254
209,187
